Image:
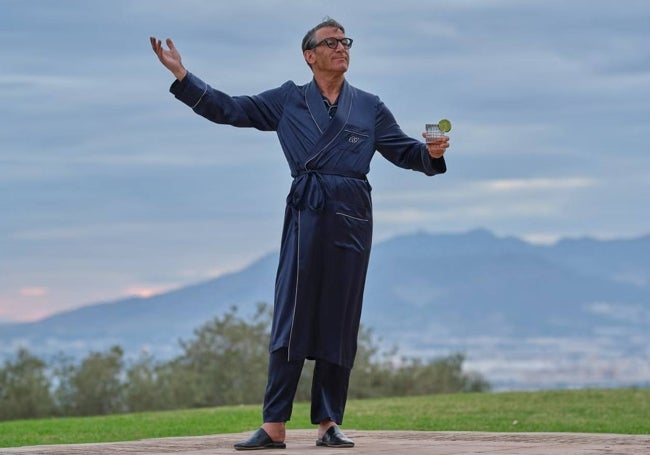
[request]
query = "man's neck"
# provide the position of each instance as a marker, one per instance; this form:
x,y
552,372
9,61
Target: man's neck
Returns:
x,y
330,85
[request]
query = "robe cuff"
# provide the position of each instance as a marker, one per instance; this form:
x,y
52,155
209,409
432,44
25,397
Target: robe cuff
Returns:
x,y
433,166
190,90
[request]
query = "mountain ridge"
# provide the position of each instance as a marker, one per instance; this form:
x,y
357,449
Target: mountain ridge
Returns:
x,y
429,294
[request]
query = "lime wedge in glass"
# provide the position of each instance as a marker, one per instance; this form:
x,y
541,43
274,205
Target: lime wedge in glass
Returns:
x,y
444,125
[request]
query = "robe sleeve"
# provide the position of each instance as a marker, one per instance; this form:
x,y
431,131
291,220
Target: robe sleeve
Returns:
x,y
262,111
402,150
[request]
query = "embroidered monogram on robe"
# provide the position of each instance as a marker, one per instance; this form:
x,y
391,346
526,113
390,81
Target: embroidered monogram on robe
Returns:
x,y
327,231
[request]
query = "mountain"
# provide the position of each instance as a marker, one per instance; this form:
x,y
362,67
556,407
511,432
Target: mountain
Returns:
x,y
575,313
155,323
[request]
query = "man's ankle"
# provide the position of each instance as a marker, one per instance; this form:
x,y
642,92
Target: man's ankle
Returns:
x,y
276,430
323,426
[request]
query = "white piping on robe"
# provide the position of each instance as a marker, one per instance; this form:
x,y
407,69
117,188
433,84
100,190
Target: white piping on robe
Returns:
x,y
353,217
205,90
310,112
295,297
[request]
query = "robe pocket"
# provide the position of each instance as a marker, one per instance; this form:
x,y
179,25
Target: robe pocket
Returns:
x,y
352,139
352,227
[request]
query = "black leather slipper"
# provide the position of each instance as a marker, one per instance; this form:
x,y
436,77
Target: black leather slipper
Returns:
x,y
259,440
334,437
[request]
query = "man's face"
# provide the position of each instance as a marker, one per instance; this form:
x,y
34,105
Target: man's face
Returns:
x,y
324,59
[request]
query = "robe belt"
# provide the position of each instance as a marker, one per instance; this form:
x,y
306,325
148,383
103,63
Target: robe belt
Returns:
x,y
308,189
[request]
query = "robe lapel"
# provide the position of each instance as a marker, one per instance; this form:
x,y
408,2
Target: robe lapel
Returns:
x,y
316,107
330,129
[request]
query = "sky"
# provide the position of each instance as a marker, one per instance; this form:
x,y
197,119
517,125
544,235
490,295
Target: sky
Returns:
x,y
110,188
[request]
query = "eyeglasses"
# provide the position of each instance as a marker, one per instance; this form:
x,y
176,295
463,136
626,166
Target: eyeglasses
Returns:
x,y
333,43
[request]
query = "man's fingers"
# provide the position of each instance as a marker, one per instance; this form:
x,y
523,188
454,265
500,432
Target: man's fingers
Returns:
x,y
439,142
155,45
438,146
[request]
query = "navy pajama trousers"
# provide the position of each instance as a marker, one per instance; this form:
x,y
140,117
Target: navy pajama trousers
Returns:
x,y
329,389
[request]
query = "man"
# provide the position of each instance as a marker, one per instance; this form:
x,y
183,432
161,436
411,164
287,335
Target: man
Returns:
x,y
329,131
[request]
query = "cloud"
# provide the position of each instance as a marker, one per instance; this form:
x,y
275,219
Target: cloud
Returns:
x,y
487,189
547,184
529,206
34,292
144,291
104,176
27,303
43,83
544,238
624,312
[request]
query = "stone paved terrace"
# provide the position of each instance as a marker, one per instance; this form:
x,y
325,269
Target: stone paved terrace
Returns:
x,y
375,443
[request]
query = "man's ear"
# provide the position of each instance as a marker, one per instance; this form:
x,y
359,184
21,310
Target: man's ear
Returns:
x,y
309,57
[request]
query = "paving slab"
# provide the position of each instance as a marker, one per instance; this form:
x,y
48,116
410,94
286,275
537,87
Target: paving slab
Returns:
x,y
372,442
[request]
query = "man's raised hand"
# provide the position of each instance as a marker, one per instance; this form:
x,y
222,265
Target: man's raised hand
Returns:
x,y
171,58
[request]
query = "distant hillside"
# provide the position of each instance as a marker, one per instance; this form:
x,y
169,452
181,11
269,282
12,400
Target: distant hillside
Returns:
x,y
527,316
154,323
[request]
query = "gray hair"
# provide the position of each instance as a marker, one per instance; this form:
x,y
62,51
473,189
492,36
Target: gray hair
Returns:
x,y
309,41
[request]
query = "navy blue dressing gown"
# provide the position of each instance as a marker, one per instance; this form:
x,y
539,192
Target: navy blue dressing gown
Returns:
x,y
327,231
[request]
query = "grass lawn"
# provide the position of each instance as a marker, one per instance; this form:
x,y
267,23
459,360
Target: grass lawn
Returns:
x,y
624,411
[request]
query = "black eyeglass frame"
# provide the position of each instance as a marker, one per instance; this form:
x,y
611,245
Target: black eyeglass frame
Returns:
x,y
333,43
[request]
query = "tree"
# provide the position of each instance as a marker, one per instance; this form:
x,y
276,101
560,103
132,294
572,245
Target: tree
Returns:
x,y
25,388
141,390
94,387
63,370
441,375
226,361
373,370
